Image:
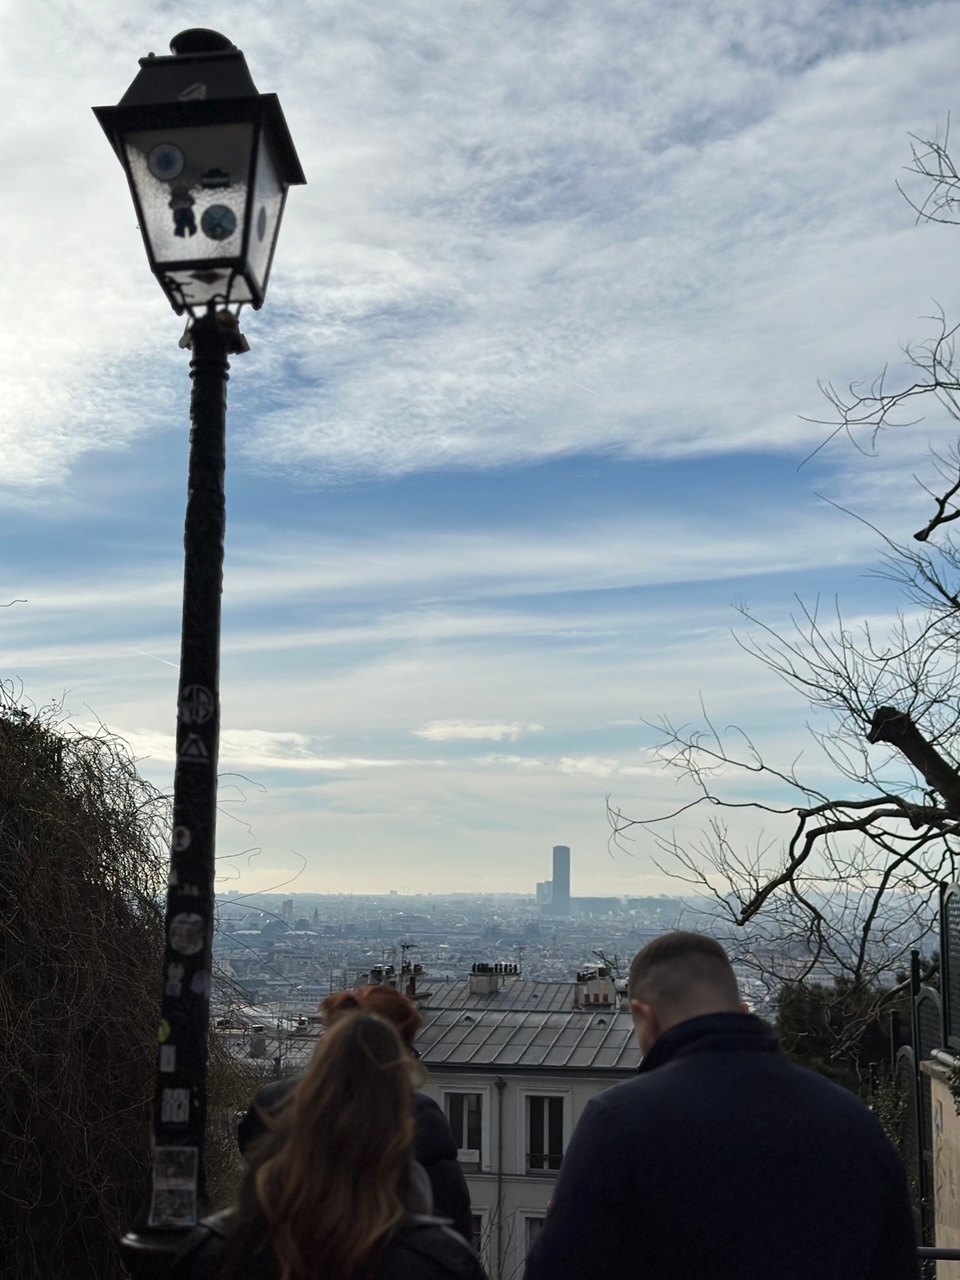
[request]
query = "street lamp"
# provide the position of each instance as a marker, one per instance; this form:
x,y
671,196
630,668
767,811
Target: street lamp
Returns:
x,y
209,161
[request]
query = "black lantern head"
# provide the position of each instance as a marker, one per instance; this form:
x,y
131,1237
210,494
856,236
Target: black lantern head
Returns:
x,y
209,161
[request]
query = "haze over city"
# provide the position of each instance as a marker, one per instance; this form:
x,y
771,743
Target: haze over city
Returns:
x,y
522,419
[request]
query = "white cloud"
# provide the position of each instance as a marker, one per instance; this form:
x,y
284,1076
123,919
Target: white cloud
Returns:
x,y
470,730
556,283
590,766
254,749
501,760
512,246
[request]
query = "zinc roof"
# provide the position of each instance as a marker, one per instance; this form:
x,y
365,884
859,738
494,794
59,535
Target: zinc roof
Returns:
x,y
600,1040
515,993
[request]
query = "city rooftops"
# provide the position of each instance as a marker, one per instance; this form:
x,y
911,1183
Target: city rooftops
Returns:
x,y
511,1039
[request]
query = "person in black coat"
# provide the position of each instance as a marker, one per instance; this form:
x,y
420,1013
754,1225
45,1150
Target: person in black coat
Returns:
x,y
421,1247
331,1188
435,1147
722,1158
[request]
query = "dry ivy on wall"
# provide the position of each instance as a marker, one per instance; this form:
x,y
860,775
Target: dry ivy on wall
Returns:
x,y
82,874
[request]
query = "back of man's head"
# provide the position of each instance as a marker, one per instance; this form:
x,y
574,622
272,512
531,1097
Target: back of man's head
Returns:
x,y
683,975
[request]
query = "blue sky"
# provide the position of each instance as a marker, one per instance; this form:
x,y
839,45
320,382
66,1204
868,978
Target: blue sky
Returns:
x,y
521,420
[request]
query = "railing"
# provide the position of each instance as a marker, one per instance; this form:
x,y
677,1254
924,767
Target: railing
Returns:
x,y
934,1021
935,1016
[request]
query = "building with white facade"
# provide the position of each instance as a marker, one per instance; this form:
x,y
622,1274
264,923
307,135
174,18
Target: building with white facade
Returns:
x,y
513,1063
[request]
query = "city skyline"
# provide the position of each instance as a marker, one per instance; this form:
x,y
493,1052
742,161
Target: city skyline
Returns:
x,y
522,421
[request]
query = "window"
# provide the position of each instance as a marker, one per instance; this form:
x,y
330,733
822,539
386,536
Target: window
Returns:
x,y
532,1227
476,1232
544,1133
465,1113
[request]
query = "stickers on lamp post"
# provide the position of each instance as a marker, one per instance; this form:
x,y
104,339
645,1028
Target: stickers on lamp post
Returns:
x,y
219,222
214,179
196,702
193,751
187,933
165,161
173,1202
175,1106
182,202
174,984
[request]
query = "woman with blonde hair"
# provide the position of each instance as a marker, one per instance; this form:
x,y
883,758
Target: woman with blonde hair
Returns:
x,y
434,1144
330,1191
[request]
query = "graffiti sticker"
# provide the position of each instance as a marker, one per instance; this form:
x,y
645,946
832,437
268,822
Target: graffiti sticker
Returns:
x,y
219,222
187,933
174,983
214,178
173,1202
166,162
184,221
193,751
196,704
175,1106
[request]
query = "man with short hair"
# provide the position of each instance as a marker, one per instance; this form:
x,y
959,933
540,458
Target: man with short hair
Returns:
x,y
722,1160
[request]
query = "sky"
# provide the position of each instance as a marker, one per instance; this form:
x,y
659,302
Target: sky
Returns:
x,y
525,414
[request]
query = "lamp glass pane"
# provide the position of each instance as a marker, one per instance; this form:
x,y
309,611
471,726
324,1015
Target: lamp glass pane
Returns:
x,y
267,207
192,185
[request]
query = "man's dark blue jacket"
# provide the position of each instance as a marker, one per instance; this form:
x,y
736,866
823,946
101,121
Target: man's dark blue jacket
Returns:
x,y
724,1160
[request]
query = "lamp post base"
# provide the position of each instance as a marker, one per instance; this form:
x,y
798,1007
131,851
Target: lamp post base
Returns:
x,y
148,1255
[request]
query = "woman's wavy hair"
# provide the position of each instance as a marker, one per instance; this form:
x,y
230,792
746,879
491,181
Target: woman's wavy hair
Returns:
x,y
329,1182
384,1001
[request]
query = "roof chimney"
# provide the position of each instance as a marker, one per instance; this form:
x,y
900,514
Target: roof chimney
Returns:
x,y
595,987
484,980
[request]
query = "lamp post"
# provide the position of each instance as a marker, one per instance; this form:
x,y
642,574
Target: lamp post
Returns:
x,y
209,161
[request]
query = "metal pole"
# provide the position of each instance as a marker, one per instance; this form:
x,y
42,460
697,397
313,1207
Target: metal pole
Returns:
x,y
922,1120
501,1085
176,1190
943,924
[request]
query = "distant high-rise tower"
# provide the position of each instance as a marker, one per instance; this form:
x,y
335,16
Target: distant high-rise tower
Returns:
x,y
561,880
